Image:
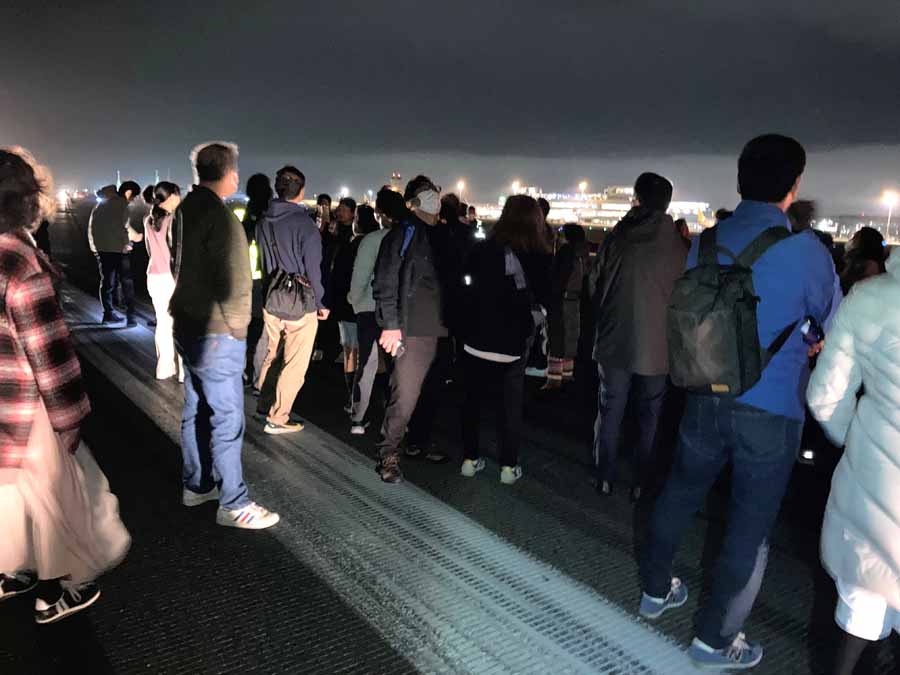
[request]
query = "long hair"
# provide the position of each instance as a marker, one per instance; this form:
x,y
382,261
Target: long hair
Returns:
x,y
26,190
521,226
365,221
161,193
259,193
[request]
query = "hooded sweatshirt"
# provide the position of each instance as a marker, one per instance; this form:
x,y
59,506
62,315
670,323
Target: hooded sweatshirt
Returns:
x,y
632,282
288,239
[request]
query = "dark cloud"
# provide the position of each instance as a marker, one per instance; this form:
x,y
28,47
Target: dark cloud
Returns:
x,y
561,84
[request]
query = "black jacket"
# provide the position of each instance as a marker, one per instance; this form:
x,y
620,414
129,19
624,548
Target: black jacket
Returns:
x,y
632,281
213,284
409,285
498,316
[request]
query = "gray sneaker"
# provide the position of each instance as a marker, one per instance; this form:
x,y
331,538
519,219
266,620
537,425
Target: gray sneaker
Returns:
x,y
653,608
739,655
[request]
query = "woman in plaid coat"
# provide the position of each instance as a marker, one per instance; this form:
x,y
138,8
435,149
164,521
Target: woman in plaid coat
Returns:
x,y
60,525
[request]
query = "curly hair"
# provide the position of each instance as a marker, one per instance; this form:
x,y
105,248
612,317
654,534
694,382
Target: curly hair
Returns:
x,y
26,190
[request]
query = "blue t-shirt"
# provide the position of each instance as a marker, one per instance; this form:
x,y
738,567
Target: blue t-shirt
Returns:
x,y
793,279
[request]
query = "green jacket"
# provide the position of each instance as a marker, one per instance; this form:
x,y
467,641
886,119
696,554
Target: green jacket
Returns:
x,y
213,284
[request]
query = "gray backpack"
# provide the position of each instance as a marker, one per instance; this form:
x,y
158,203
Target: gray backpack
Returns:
x,y
711,325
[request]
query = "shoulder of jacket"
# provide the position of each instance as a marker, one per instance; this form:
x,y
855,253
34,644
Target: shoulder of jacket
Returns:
x,y
17,259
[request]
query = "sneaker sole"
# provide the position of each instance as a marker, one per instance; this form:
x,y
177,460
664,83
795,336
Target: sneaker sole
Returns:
x,y
191,502
15,594
226,522
68,612
729,667
281,432
665,608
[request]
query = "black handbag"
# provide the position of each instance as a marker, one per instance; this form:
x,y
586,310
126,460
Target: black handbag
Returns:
x,y
289,296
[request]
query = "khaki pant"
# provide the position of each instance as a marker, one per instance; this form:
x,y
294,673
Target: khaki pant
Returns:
x,y
299,338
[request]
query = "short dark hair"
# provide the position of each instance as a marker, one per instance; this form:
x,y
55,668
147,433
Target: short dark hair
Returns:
x,y
653,191
323,198
20,192
416,185
545,206
801,214
213,161
521,226
391,203
289,182
147,194
365,220
349,202
574,233
723,214
769,166
129,185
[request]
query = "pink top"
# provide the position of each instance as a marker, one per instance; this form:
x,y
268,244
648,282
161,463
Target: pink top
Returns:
x,y
158,246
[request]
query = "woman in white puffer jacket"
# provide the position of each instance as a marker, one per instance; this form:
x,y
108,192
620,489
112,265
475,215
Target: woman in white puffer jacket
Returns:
x,y
861,531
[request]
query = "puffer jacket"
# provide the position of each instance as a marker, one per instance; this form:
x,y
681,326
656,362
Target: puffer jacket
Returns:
x,y
861,532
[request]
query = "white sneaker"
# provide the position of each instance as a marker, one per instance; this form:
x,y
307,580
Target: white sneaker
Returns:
x,y
251,517
278,429
510,474
472,466
358,429
191,498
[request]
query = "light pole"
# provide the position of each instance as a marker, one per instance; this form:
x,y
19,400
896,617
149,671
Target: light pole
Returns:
x,y
345,192
461,188
516,187
889,199
582,187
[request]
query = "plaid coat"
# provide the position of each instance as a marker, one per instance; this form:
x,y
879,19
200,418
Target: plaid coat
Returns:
x,y
37,359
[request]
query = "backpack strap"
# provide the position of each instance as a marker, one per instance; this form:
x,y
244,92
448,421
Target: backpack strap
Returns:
x,y
756,248
754,251
708,255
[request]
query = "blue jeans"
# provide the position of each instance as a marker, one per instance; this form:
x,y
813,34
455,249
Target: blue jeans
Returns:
x,y
762,448
615,387
212,426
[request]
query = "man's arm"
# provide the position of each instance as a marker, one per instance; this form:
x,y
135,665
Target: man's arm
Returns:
x,y
45,338
230,256
311,251
362,270
386,287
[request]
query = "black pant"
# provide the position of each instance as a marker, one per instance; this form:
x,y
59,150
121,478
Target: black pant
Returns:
x,y
505,383
433,389
407,377
615,387
115,268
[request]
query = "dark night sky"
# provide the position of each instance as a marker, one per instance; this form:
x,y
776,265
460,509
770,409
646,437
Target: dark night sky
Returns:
x,y
549,92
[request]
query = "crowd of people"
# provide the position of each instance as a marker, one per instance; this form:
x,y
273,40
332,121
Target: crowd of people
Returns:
x,y
729,323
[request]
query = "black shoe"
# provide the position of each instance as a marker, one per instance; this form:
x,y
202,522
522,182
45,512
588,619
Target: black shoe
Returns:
x,y
112,317
605,488
73,599
389,469
636,493
131,322
17,584
413,451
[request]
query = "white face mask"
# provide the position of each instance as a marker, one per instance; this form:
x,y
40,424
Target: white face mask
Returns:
x,y
429,202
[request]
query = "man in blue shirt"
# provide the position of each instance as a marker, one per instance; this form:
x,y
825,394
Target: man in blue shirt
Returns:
x,y
758,432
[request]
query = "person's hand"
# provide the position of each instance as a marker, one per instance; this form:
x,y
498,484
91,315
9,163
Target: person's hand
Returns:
x,y
70,440
815,349
323,314
390,341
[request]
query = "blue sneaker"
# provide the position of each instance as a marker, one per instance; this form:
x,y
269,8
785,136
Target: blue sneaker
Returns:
x,y
739,655
653,608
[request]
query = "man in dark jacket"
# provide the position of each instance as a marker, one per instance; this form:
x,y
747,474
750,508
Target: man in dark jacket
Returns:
x,y
289,240
409,297
211,311
634,274
108,239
